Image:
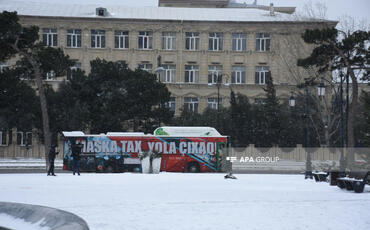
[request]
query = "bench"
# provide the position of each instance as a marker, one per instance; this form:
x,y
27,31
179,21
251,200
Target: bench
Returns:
x,y
320,176
354,181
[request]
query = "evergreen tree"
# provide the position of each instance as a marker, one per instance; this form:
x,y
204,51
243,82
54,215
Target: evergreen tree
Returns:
x,y
241,120
117,98
363,127
221,121
36,59
292,126
350,54
272,114
19,106
68,109
188,118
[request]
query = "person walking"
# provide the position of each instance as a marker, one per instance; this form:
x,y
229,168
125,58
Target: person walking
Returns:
x,y
52,153
76,154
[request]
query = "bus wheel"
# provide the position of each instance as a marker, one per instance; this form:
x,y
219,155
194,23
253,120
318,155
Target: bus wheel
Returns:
x,y
109,169
193,167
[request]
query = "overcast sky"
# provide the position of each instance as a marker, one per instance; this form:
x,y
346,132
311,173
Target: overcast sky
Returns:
x,y
359,9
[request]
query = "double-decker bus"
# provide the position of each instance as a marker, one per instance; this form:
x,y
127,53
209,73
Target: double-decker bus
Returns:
x,y
183,149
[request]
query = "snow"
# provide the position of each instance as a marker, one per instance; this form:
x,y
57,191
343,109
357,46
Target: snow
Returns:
x,y
193,201
120,10
27,162
73,134
188,131
15,223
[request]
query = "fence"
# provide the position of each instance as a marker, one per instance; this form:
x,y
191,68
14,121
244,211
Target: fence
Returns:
x,y
17,144
290,160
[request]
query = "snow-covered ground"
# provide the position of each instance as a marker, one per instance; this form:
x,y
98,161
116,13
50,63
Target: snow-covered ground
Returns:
x,y
193,201
26,162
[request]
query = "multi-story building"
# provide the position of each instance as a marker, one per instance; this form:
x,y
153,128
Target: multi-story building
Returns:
x,y
225,46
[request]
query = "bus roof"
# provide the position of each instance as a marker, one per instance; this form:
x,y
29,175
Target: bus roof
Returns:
x,y
175,131
73,134
187,131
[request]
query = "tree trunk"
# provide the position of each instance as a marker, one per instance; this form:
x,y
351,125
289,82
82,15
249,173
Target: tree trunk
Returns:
x,y
43,103
351,113
352,107
44,108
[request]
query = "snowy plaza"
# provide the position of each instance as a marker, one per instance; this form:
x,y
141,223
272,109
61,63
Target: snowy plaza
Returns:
x,y
192,201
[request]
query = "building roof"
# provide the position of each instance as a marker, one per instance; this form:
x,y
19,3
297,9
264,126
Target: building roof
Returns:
x,y
120,11
210,3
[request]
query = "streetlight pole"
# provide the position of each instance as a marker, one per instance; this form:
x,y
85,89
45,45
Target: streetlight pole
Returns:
x,y
321,93
158,71
308,173
218,84
342,162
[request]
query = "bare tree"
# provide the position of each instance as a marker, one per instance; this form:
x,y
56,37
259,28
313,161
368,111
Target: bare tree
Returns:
x,y
329,118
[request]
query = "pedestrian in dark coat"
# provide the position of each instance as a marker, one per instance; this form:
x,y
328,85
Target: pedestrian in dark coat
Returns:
x,y
52,154
76,154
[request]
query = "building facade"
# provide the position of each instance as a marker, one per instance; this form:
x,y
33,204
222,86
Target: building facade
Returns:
x,y
203,53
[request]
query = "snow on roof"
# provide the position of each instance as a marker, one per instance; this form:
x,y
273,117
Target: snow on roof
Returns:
x,y
120,10
73,134
126,134
178,131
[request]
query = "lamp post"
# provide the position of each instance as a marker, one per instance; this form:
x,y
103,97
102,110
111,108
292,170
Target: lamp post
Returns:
x,y
159,72
291,100
218,85
321,89
342,161
292,103
308,173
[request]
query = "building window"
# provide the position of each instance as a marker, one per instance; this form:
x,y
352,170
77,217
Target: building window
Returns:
x,y
239,41
215,41
98,38
74,38
28,138
171,104
214,74
3,66
121,39
145,40
169,40
212,103
191,73
3,137
73,69
192,41
191,103
50,75
238,75
20,139
169,73
24,138
146,67
262,42
50,37
262,74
